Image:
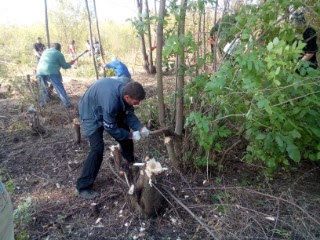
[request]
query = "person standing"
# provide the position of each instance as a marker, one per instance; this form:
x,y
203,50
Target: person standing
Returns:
x,y
48,70
108,105
119,68
38,48
72,50
6,215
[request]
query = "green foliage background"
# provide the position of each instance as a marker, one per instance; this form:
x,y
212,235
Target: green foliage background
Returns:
x,y
258,94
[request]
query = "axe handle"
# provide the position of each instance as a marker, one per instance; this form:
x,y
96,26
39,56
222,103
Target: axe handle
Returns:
x,y
80,55
159,131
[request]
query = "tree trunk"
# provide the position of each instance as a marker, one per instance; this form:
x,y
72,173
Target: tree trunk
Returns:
x,y
204,37
99,37
143,43
170,147
91,42
214,57
198,42
151,67
46,22
181,70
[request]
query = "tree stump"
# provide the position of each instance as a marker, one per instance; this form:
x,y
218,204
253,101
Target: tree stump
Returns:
x,y
77,133
144,191
33,118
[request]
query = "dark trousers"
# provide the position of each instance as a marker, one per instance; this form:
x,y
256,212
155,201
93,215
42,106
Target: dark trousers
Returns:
x,y
94,159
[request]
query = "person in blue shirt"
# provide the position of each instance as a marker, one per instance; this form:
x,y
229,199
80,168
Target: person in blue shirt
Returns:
x,y
108,105
119,67
6,215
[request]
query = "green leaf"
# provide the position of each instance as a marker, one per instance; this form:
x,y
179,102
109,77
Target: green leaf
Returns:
x,y
260,136
293,152
270,46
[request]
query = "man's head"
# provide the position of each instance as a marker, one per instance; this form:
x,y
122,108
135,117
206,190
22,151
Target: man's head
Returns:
x,y
39,39
133,93
57,46
298,19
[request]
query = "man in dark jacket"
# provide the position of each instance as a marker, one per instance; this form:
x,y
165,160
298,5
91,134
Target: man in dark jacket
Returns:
x,y
309,36
108,105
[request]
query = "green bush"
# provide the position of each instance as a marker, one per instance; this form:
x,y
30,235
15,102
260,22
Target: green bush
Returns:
x,y
259,91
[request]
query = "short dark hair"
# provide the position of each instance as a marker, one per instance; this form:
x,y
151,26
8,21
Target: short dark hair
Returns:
x,y
134,90
57,46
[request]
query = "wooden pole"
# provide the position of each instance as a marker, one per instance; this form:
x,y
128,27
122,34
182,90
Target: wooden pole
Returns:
x,y
98,30
151,67
91,42
46,22
143,43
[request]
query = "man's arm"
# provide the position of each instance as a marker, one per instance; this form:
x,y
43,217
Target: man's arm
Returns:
x,y
307,56
36,53
63,63
111,126
132,120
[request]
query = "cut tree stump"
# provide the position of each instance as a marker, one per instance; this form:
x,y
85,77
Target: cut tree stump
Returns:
x,y
33,118
77,133
144,195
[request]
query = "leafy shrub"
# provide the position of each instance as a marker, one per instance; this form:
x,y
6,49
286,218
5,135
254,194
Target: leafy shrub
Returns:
x,y
259,90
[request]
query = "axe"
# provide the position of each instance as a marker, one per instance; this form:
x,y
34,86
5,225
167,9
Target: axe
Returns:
x,y
81,54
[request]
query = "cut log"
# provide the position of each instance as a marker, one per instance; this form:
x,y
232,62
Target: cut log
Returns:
x,y
144,195
33,118
148,196
77,133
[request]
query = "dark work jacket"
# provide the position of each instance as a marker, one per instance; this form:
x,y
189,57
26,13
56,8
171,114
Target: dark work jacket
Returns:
x,y
310,38
103,105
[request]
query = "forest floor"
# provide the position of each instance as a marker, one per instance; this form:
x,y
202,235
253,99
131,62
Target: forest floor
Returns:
x,y
238,201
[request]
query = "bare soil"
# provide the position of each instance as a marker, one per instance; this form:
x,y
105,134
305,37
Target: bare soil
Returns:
x,y
237,202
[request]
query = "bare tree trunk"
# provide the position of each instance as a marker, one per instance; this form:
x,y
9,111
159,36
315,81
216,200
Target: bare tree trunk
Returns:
x,y
214,57
98,30
204,37
46,22
155,8
181,70
169,145
99,37
151,67
198,41
91,42
143,43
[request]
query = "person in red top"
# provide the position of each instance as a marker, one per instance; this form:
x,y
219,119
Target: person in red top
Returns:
x,y
72,50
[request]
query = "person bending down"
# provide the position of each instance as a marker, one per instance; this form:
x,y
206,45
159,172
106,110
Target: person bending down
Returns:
x,y
48,70
108,105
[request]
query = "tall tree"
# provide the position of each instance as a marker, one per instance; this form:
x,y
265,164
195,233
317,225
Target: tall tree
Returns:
x,y
99,37
46,22
181,71
169,143
98,30
91,41
141,33
151,67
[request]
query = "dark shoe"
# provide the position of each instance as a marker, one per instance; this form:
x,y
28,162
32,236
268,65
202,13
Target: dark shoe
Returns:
x,y
88,194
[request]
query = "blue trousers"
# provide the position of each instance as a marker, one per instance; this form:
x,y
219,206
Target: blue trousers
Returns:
x,y
56,81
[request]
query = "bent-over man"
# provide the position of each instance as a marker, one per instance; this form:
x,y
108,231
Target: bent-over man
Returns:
x,y
108,105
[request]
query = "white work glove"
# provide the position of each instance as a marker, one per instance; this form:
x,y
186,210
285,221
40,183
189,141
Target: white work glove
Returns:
x,y
144,132
136,136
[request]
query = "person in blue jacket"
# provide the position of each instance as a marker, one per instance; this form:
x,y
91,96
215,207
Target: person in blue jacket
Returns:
x,y
108,105
119,67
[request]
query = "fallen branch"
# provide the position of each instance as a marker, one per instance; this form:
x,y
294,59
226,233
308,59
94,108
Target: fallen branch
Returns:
x,y
192,214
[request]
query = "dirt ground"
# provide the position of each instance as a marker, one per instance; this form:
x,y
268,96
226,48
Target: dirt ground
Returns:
x,y
238,202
